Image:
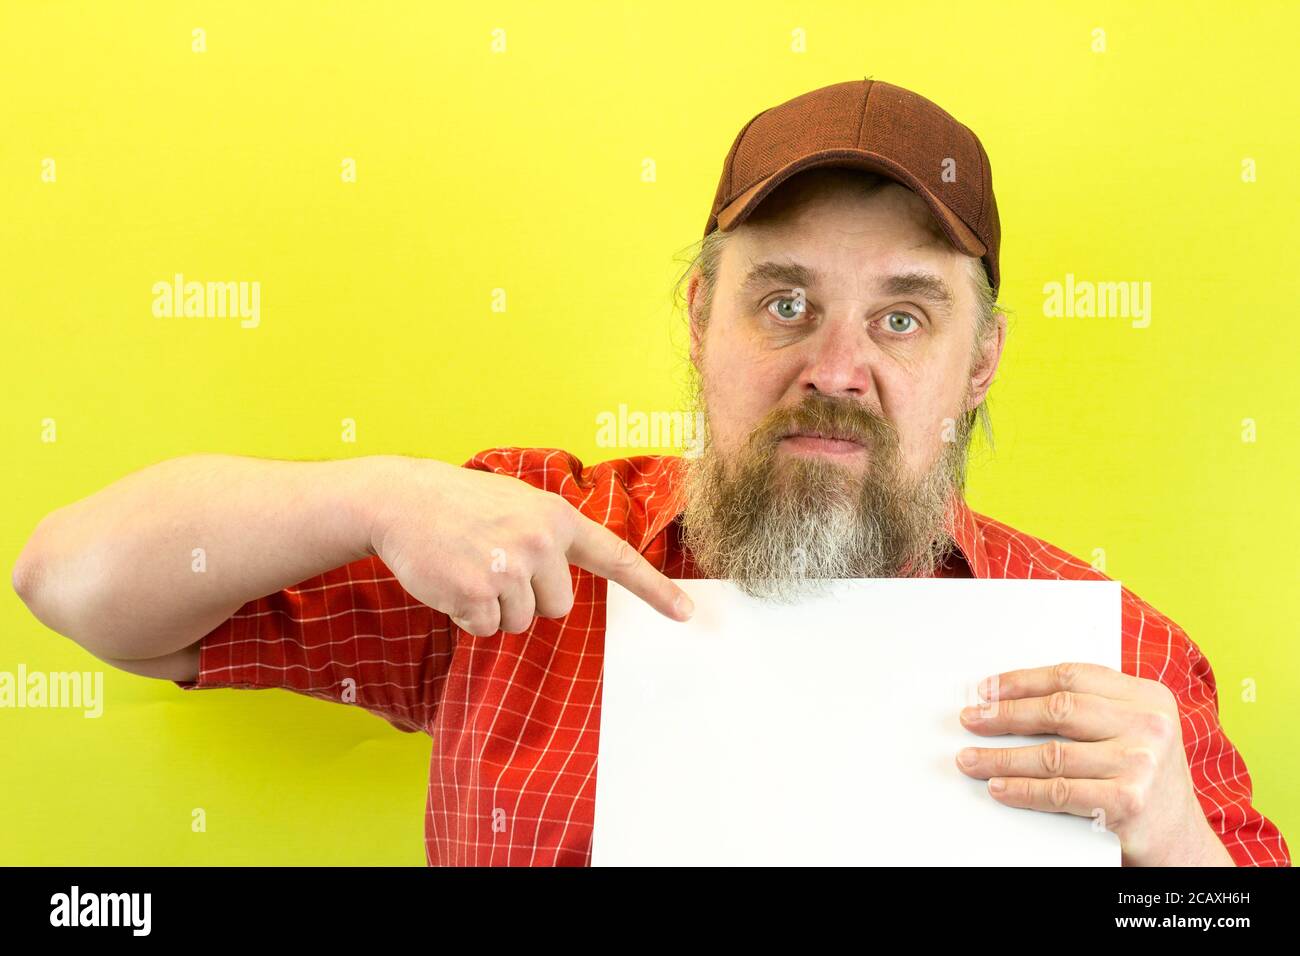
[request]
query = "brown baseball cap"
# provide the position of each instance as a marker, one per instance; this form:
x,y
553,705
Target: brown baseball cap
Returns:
x,y
868,124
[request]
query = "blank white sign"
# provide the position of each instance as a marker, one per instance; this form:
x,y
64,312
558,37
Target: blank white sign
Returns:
x,y
825,733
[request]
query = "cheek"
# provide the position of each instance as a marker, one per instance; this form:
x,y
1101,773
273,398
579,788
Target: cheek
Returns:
x,y
740,393
930,411
913,436
917,409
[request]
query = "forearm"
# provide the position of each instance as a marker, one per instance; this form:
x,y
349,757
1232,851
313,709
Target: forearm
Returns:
x,y
156,560
1197,845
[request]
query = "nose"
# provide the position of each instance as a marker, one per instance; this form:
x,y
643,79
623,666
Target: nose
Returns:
x,y
839,357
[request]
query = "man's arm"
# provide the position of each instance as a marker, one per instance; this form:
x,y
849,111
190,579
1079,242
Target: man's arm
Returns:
x,y
141,570
154,562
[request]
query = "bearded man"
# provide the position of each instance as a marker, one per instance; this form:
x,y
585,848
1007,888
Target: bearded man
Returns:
x,y
844,336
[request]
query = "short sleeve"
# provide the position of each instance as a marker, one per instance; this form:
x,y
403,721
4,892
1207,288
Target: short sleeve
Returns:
x,y
1222,781
352,635
1156,648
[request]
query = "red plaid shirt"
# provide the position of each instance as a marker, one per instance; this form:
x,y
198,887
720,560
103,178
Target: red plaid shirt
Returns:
x,y
514,717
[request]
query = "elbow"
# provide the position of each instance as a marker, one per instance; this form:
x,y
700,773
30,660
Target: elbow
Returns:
x,y
68,586
28,574
53,592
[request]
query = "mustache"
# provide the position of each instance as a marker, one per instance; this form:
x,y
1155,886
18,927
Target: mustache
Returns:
x,y
829,418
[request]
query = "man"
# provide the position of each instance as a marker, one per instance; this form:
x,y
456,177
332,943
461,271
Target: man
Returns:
x,y
843,339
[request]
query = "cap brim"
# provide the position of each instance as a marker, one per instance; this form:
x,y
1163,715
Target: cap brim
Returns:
x,y
957,231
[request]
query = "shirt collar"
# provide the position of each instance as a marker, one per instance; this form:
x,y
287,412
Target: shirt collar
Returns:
x,y
667,500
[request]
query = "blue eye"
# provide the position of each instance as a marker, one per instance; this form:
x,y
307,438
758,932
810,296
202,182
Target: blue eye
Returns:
x,y
903,331
795,309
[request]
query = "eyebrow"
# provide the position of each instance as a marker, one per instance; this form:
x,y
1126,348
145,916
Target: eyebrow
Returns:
x,y
916,283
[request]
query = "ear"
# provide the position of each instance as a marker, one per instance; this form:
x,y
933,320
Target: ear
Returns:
x,y
693,311
986,363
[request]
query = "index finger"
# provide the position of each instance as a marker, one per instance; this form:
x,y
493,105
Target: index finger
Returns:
x,y
1082,678
600,550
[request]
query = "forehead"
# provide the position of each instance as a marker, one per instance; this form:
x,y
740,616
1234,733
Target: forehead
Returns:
x,y
846,236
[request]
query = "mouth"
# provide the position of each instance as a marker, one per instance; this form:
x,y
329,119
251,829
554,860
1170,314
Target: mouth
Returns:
x,y
825,442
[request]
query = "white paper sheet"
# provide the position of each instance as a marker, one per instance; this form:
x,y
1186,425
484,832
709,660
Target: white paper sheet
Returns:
x,y
825,733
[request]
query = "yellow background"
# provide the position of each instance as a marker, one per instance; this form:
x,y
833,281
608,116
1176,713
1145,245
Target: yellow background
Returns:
x,y
522,170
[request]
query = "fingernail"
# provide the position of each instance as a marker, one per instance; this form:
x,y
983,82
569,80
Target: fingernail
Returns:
x,y
997,785
986,687
684,607
971,713
968,757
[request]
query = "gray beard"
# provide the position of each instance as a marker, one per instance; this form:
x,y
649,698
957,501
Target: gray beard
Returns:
x,y
782,526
